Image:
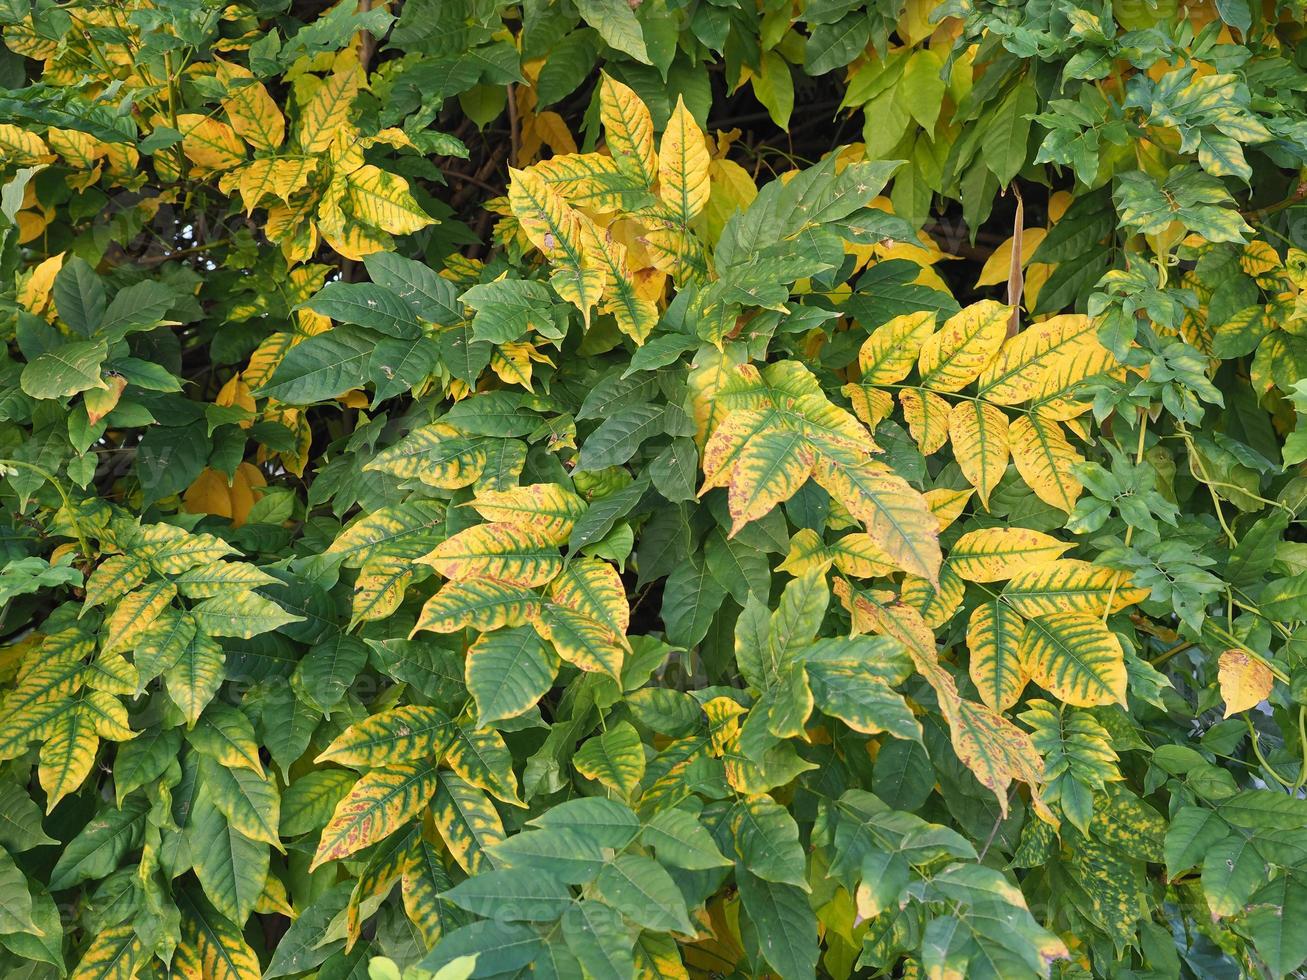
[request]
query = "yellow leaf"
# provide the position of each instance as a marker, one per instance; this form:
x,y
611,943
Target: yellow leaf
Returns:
x,y
80,150
68,754
552,130
895,515
1045,460
555,228
586,643
135,613
994,640
100,402
34,293
481,604
999,264
115,953
997,752
936,605
636,315
507,553
266,176
628,129
770,468
1070,585
1017,374
1075,657
549,508
376,806
1068,372
683,164
382,200
588,180
379,588
856,555
890,352
1245,682
212,494
210,144
21,148
927,416
732,189
673,250
993,554
437,454
964,346
979,433
947,505
252,111
993,748
593,588
872,405
467,821
728,442
327,111
408,733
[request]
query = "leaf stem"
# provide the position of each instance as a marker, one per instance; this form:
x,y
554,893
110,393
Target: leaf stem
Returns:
x,y
63,494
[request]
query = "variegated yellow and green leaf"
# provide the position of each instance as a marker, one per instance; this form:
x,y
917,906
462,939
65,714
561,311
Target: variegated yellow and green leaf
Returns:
x,y
467,821
996,553
1045,460
979,433
408,733
378,804
438,455
963,347
483,604
1069,585
683,165
512,554
548,508
628,130
1075,657
994,641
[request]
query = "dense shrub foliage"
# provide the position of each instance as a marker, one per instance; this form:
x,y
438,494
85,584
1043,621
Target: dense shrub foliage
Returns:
x,y
654,488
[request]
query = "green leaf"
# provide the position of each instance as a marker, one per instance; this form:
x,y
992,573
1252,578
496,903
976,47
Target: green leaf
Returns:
x,y
832,46
66,370
499,947
600,939
322,367
79,296
367,305
784,926
680,840
508,671
611,823
139,306
310,800
1278,908
570,855
643,892
96,850
615,758
512,895
20,817
691,599
767,842
617,25
15,898
243,614
230,866
430,296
